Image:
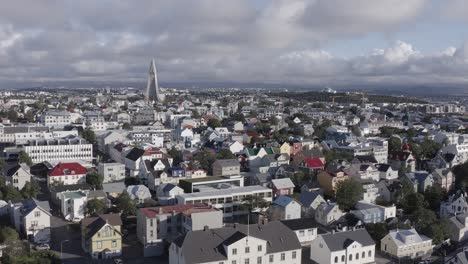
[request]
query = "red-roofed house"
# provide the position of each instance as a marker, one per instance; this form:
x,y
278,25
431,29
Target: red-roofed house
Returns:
x,y
155,224
313,163
67,174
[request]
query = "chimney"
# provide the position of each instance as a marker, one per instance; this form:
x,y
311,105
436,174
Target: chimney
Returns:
x,y
206,228
160,210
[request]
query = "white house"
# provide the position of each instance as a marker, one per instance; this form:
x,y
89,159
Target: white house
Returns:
x,y
371,192
363,172
112,171
31,219
285,208
73,205
167,193
386,172
304,228
67,174
327,213
139,193
18,176
458,226
456,204
406,243
269,243
354,247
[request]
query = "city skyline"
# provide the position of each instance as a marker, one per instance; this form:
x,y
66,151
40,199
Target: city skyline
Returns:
x,y
298,42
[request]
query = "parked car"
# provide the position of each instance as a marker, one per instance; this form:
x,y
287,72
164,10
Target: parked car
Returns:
x,y
43,246
118,261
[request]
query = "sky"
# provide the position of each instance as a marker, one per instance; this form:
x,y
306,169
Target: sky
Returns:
x,y
284,42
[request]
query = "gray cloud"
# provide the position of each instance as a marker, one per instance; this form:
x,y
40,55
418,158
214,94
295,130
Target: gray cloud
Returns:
x,y
214,40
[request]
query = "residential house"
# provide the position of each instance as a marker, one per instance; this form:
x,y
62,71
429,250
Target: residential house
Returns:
x,y
363,172
459,258
138,193
444,178
272,242
304,228
18,175
402,159
387,212
327,213
114,189
458,226
354,246
282,186
167,193
285,208
112,171
422,179
386,172
68,173
329,180
73,205
101,236
156,225
310,201
31,219
370,193
456,204
406,243
227,167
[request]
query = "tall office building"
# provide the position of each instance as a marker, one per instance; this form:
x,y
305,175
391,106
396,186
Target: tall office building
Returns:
x,y
152,89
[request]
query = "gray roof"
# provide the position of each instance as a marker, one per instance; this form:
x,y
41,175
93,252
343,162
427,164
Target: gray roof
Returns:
x,y
115,187
307,198
280,238
227,162
339,241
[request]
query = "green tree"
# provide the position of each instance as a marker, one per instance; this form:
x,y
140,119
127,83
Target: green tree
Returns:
x,y
23,157
125,205
205,159
298,179
94,179
30,190
12,115
176,155
8,234
214,123
126,126
438,231
95,207
89,135
225,154
2,166
348,193
394,144
412,202
11,193
434,195
252,203
356,131
377,231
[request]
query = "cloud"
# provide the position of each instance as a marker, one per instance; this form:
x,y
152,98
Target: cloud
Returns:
x,y
280,41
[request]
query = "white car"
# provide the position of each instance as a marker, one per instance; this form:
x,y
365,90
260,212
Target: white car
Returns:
x,y
118,261
43,246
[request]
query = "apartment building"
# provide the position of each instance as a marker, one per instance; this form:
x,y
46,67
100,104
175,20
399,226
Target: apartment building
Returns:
x,y
112,171
69,148
55,119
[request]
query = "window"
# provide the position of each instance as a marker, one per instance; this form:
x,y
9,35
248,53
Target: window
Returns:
x,y
336,259
369,254
99,244
114,243
37,214
151,222
233,262
246,261
234,251
363,255
350,257
357,256
271,258
247,250
151,233
343,258
259,248
283,256
294,254
259,260
301,233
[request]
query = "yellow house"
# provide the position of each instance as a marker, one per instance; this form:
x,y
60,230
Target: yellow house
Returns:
x,y
101,236
329,180
285,148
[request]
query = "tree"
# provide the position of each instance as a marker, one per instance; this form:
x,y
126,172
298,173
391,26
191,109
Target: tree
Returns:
x,y
12,115
394,144
348,193
205,158
434,195
214,123
412,202
356,131
89,135
30,190
23,157
11,193
2,166
225,154
252,203
94,179
377,231
8,234
176,155
126,126
298,179
125,205
95,207
461,174
438,231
